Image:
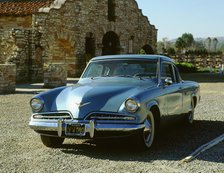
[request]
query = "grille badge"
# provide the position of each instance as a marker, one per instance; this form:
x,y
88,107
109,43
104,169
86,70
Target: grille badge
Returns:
x,y
80,105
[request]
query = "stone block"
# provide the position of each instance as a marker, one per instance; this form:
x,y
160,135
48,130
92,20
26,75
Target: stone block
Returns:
x,y
55,75
8,78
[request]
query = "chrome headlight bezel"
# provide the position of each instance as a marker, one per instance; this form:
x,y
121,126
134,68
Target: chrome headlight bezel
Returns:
x,y
132,105
36,104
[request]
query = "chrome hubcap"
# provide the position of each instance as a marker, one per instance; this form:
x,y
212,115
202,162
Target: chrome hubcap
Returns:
x,y
191,114
147,131
191,117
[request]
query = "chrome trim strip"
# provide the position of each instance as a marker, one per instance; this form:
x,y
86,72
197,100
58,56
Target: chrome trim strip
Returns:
x,y
112,118
109,116
51,117
44,115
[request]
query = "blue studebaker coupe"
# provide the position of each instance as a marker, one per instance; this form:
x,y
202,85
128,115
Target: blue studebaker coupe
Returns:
x,y
117,95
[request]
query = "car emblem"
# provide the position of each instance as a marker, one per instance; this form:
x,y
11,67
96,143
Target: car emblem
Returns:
x,y
80,105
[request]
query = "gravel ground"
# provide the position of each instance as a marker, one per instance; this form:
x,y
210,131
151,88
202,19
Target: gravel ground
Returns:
x,y
22,151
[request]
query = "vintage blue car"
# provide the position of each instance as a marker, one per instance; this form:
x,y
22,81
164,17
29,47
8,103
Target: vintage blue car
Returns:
x,y
116,96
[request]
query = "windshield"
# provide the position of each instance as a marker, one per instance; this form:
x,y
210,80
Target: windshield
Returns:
x,y
122,68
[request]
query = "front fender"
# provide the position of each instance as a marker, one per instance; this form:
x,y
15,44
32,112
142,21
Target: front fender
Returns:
x,y
151,104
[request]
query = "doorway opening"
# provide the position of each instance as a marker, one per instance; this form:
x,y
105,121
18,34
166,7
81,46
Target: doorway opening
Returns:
x,y
111,44
148,49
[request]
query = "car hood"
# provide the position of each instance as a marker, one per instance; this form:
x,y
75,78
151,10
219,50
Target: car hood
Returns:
x,y
96,95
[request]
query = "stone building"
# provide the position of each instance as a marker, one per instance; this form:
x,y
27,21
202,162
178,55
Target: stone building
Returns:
x,y
42,32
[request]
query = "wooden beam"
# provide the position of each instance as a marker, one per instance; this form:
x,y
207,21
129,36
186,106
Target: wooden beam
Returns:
x,y
203,148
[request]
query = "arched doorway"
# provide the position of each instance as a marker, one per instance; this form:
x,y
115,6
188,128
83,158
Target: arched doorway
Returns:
x,y
111,44
148,49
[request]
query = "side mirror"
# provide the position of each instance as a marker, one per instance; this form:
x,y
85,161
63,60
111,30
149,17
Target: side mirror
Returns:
x,y
168,81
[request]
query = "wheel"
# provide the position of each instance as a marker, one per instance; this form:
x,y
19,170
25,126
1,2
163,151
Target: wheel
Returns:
x,y
52,142
146,137
189,119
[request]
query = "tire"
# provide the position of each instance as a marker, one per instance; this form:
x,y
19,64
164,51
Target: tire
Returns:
x,y
189,118
52,142
147,135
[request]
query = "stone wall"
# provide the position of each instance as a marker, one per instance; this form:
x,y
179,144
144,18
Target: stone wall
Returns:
x,y
55,75
71,32
21,47
8,22
65,41
15,50
214,61
7,78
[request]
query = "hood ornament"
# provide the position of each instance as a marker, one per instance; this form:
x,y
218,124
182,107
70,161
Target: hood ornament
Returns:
x,y
80,105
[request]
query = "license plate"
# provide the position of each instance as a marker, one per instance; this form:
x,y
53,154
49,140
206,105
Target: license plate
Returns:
x,y
75,129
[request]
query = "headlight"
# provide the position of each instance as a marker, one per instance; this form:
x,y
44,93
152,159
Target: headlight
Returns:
x,y
131,105
36,104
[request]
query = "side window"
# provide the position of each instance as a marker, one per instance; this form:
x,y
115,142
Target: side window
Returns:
x,y
167,72
177,75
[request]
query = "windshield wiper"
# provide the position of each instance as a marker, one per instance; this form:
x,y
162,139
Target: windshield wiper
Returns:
x,y
143,75
129,76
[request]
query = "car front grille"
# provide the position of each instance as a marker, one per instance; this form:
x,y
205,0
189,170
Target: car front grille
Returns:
x,y
109,117
53,116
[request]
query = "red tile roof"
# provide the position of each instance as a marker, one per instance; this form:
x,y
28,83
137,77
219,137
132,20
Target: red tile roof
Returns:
x,y
22,7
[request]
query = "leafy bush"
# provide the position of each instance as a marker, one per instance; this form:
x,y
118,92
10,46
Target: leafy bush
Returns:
x,y
186,67
171,51
208,70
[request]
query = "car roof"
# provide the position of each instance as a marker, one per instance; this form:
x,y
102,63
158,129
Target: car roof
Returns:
x,y
133,56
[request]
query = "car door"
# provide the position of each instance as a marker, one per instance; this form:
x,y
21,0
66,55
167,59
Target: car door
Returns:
x,y
173,89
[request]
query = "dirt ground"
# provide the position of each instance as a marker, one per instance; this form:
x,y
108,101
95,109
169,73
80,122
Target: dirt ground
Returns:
x,y
22,151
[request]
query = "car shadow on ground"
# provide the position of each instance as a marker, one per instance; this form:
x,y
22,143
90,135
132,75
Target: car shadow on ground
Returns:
x,y
174,143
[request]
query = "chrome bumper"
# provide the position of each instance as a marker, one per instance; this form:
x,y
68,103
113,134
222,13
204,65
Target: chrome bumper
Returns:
x,y
91,127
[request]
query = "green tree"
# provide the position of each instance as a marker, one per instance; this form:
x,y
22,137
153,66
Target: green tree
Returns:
x,y
188,39
165,41
185,42
198,45
171,51
208,43
160,47
221,48
215,42
180,44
